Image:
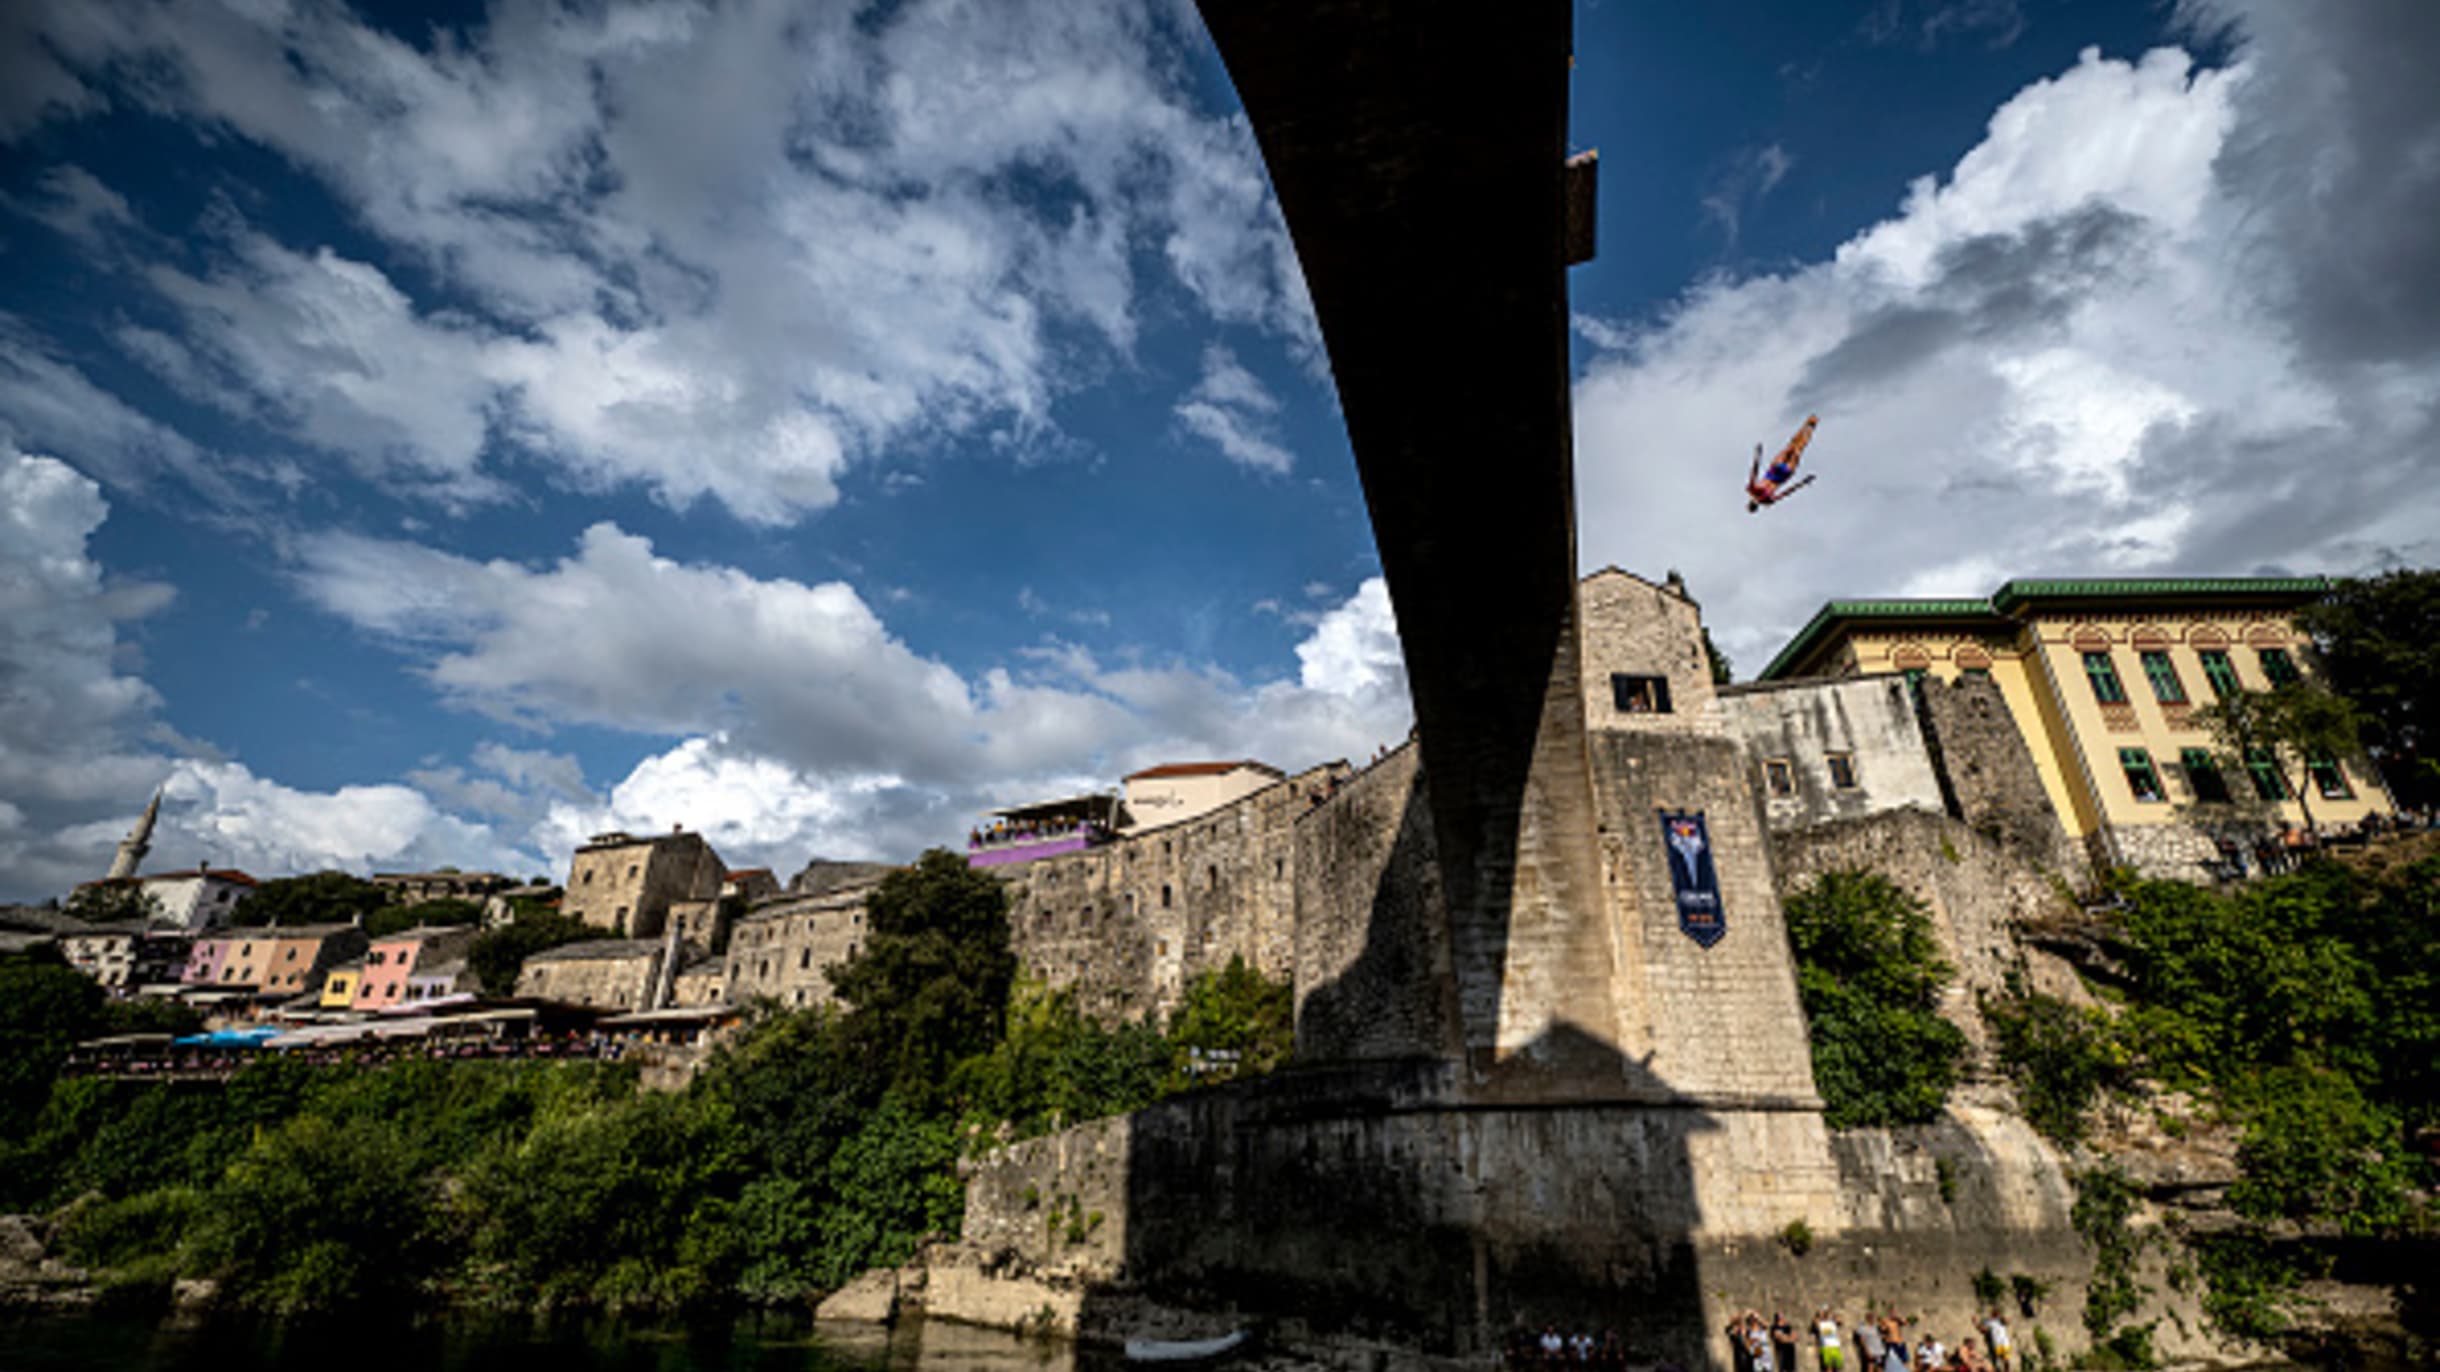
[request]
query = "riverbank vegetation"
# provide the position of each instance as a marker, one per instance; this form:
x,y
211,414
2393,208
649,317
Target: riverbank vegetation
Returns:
x,y
2301,1016
817,1143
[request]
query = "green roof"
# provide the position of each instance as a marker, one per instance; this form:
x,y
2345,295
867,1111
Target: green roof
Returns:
x,y
1845,611
2016,596
2009,598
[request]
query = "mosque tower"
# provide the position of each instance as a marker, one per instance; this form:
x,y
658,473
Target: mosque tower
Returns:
x,y
139,839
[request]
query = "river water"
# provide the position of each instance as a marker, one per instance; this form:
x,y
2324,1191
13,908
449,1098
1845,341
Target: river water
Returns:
x,y
94,1342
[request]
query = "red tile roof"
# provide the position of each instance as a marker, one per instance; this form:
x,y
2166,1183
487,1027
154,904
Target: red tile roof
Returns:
x,y
1200,769
224,873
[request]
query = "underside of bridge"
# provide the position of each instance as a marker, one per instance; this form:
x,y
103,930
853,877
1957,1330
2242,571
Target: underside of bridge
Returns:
x,y
1419,153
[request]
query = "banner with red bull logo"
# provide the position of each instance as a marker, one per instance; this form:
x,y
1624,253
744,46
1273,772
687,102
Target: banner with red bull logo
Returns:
x,y
1687,838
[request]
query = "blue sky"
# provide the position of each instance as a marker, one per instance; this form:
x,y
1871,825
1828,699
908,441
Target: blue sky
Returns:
x,y
432,440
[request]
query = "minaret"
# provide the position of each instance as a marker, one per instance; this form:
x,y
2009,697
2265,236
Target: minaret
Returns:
x,y
133,847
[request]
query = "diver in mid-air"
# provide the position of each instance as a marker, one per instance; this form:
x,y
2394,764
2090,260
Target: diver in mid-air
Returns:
x,y
1772,486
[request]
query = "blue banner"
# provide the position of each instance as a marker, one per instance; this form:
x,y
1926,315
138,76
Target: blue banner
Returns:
x,y
1701,916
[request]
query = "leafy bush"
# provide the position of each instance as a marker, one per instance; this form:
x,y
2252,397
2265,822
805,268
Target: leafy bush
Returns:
x,y
448,910
2249,1286
2102,1215
2314,1148
2061,1058
1870,976
319,1215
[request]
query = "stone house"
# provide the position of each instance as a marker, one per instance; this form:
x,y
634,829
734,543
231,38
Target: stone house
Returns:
x,y
606,974
414,888
783,949
626,884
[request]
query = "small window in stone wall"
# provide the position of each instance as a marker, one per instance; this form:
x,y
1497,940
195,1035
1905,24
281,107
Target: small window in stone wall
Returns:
x,y
1639,695
1213,878
1164,895
1842,771
1780,776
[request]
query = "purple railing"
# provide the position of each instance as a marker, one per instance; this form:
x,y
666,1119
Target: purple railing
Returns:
x,y
989,853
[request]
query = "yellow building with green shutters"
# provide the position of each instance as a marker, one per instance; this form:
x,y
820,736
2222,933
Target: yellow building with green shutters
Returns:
x,y
2103,677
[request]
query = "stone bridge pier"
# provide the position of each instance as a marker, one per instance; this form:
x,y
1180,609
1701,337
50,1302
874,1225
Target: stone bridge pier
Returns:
x,y
1419,154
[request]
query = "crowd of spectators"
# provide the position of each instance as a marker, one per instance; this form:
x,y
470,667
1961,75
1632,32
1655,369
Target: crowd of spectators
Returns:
x,y
1885,1342
1031,830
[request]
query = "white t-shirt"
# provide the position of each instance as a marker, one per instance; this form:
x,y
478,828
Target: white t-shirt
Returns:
x,y
1827,1330
1552,1343
1998,1332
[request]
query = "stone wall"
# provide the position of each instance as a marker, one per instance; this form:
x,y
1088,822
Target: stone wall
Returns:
x,y
1801,724
2174,850
1720,1024
1372,973
1978,890
1127,925
1363,1206
1631,626
1988,775
784,948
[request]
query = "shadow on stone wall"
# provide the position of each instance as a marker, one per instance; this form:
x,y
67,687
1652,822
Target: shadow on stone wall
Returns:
x,y
1362,1196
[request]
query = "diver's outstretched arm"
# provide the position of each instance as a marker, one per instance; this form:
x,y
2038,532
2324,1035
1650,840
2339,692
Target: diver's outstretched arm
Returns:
x,y
1756,469
1784,494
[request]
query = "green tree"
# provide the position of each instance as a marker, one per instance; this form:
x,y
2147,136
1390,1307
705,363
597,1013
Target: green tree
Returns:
x,y
2060,1057
321,898
46,1006
497,955
1055,1067
113,902
1870,975
319,1215
448,910
2379,642
2313,1148
931,984
2291,725
1722,670
1234,1022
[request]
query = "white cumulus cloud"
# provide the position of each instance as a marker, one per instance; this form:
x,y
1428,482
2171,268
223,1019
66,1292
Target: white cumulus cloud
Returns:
x,y
2074,352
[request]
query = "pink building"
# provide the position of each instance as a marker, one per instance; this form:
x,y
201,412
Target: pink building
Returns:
x,y
390,962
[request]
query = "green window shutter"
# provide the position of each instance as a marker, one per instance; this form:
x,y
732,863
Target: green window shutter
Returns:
x,y
2104,676
2203,774
2278,667
2329,778
2268,784
2162,673
2220,672
2141,779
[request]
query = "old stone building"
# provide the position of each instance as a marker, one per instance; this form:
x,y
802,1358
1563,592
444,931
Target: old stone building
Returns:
x,y
414,888
607,974
1832,749
626,884
781,951
1128,924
